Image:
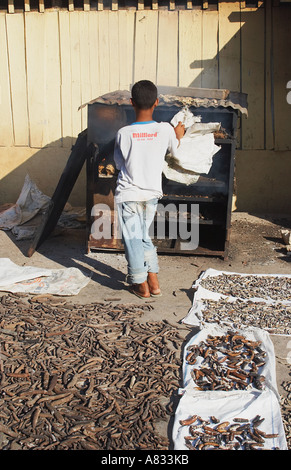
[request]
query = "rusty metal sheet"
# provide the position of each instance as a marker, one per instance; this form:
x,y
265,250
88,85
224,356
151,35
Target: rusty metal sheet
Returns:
x,y
179,97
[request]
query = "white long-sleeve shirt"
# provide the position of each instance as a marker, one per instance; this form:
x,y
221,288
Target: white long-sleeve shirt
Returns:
x,y
139,154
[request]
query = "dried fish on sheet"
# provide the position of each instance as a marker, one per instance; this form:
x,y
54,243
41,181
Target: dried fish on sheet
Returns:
x,y
274,318
239,434
259,300
285,403
229,419
84,376
276,288
218,358
226,362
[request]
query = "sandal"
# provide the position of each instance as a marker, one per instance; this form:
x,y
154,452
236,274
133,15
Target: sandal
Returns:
x,y
142,295
154,285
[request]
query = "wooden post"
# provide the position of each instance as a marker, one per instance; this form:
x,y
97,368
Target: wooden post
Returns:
x,y
172,5
86,5
10,6
140,4
26,5
41,6
155,5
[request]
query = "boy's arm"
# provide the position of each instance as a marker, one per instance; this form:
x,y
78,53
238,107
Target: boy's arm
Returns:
x,y
176,133
179,131
118,157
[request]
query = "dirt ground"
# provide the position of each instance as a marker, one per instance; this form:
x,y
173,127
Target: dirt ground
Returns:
x,y
256,246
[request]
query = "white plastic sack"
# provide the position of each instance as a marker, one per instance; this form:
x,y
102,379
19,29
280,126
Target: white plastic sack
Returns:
x,y
185,117
24,232
229,405
31,201
193,123
195,152
176,174
253,334
203,128
197,147
35,280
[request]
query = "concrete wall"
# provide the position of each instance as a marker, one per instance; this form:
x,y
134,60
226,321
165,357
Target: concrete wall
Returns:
x,y
263,181
55,61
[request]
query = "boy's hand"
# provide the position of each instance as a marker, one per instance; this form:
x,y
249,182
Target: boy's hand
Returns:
x,y
179,130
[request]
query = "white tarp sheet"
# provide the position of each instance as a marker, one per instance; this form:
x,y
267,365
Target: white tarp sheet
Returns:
x,y
195,314
35,280
229,405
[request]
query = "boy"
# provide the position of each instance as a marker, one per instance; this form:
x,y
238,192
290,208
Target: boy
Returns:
x,y
140,149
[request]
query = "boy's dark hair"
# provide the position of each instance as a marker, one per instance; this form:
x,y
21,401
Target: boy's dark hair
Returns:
x,y
144,94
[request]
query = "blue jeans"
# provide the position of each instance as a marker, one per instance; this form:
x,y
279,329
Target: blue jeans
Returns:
x,y
135,219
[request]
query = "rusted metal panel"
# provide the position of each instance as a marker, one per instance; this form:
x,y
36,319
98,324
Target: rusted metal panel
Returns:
x,y
180,96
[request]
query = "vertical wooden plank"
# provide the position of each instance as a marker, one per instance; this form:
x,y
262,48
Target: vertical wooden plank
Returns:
x,y
269,111
229,51
140,4
167,66
10,6
52,79
125,41
114,5
26,5
253,76
155,5
229,45
282,74
86,5
146,45
6,133
43,78
209,49
15,41
190,48
36,86
84,65
66,79
94,51
104,61
172,5
71,5
41,6
75,73
113,50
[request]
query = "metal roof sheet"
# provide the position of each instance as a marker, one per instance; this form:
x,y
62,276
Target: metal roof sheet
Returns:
x,y
231,99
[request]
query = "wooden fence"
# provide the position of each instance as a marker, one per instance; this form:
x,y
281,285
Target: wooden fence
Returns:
x,y
114,5
58,60
43,5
